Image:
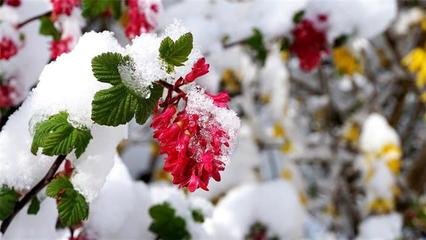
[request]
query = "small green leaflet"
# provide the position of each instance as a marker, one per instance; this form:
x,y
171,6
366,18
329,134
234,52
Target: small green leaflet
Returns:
x,y
57,185
8,200
176,53
56,136
256,44
95,8
118,104
72,206
34,206
298,16
48,29
197,215
165,224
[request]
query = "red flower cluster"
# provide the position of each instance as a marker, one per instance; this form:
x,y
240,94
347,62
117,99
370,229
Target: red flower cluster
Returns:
x,y
13,3
8,48
58,47
309,43
6,92
195,141
193,148
63,7
138,21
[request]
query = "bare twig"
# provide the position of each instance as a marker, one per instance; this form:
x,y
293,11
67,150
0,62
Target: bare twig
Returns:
x,y
33,192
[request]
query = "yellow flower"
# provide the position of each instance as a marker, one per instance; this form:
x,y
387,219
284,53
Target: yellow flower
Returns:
x,y
231,81
345,61
287,146
393,154
423,96
415,61
351,133
287,174
278,130
381,206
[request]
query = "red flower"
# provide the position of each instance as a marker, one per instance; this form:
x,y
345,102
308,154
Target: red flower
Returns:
x,y
13,3
6,92
8,48
309,43
221,99
199,69
194,143
63,6
58,47
138,22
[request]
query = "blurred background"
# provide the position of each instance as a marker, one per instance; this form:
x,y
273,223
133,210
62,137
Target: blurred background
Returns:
x,y
331,94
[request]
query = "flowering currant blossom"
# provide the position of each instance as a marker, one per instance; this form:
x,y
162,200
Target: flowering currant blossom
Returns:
x,y
143,16
198,137
63,7
6,93
8,48
68,19
13,3
309,42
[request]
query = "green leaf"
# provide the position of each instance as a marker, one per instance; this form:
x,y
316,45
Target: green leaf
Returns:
x,y
47,28
114,106
340,40
166,225
95,8
57,185
8,199
34,206
198,215
72,208
56,136
176,53
298,16
145,107
105,67
256,44
119,104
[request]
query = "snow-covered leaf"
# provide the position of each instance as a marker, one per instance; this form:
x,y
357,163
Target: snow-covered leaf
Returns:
x,y
146,106
56,136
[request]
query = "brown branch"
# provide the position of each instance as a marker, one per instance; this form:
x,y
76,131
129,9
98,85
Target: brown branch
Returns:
x,y
33,192
416,177
33,18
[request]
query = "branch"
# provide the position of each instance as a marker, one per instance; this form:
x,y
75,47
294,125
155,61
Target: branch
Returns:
x,y
33,192
33,18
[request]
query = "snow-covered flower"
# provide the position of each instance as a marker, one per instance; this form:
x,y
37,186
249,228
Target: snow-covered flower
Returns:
x,y
197,139
142,16
63,7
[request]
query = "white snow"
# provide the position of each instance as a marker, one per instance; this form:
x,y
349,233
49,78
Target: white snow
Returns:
x,y
376,132
274,204
381,227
